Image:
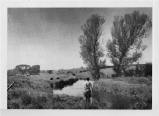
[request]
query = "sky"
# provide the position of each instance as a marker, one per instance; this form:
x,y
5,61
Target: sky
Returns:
x,y
49,36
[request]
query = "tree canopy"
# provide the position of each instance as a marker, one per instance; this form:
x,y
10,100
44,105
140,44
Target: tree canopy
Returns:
x,y
126,46
91,51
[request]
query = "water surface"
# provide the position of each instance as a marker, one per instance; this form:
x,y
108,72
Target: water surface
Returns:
x,y
77,89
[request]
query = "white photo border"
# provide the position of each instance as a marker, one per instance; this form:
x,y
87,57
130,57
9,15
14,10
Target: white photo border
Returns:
x,y
78,4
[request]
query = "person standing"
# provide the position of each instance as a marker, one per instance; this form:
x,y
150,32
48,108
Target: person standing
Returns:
x,y
88,92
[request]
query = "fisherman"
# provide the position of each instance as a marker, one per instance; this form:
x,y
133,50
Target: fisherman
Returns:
x,y
88,92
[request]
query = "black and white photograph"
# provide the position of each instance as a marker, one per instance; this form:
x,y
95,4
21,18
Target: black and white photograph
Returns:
x,y
79,58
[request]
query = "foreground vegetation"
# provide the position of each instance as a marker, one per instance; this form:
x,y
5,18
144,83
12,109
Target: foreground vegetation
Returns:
x,y
126,93
35,92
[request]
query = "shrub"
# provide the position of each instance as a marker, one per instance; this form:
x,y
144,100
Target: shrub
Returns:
x,y
130,72
148,69
23,68
34,70
12,72
49,71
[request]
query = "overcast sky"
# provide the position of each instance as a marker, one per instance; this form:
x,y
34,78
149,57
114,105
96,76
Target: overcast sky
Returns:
x,y
49,36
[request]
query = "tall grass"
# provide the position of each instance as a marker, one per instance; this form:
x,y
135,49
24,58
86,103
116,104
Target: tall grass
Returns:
x,y
37,94
45,101
120,95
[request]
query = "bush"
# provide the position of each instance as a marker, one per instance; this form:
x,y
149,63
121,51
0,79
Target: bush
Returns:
x,y
23,68
49,71
12,72
35,69
130,73
148,69
140,70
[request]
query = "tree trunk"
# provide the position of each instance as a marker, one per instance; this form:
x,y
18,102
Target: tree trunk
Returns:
x,y
97,73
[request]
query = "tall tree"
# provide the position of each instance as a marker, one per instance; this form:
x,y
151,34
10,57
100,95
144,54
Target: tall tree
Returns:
x,y
126,46
91,51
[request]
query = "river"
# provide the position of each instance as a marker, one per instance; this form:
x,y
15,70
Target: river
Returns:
x,y
77,89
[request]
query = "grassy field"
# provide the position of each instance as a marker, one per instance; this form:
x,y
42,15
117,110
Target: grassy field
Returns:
x,y
35,92
123,93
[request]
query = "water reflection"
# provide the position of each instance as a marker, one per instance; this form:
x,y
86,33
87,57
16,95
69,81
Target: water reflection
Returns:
x,y
63,83
77,89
